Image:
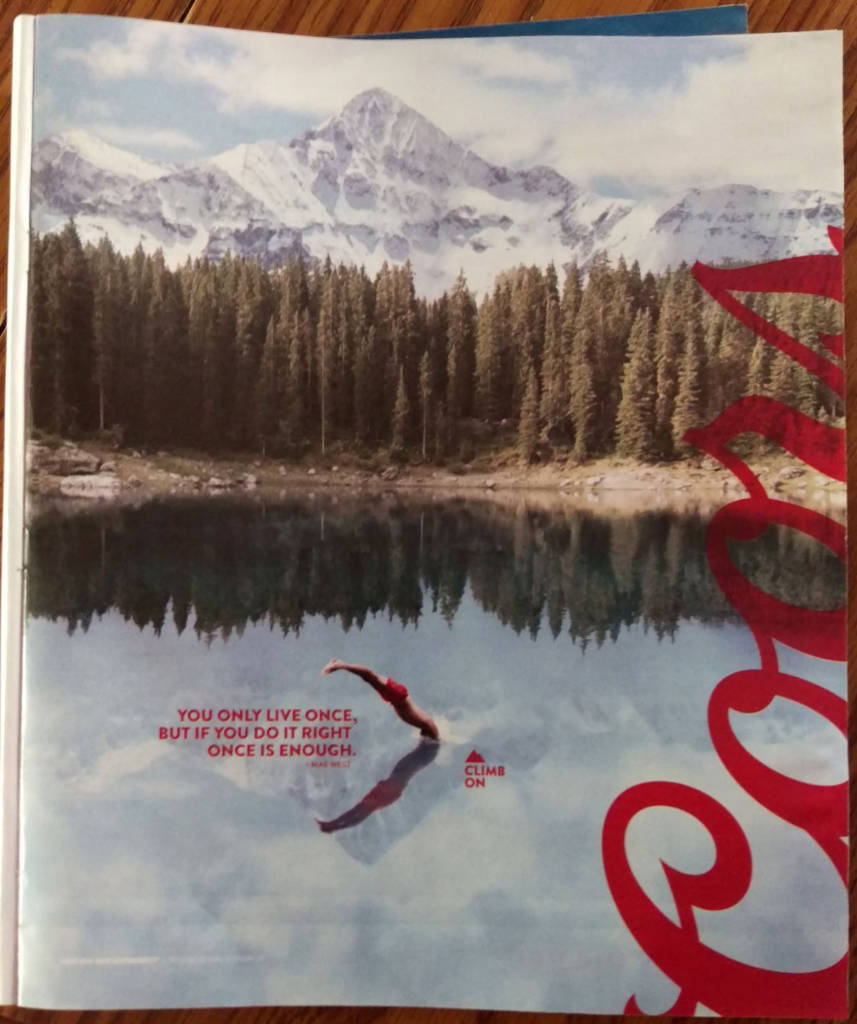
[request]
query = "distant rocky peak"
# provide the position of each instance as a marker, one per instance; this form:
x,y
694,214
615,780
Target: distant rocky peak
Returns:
x,y
374,104
378,114
382,126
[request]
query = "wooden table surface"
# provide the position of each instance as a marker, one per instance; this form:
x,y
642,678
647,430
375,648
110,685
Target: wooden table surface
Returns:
x,y
346,17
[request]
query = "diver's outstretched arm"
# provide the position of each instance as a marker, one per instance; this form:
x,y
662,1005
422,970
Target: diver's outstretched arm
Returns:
x,y
366,674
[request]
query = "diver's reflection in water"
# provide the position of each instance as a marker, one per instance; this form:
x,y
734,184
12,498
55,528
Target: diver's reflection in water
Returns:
x,y
388,790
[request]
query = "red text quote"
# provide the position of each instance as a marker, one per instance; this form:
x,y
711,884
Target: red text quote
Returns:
x,y
705,976
308,733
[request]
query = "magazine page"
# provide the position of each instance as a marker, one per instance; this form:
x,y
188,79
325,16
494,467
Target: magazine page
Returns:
x,y
435,536
715,20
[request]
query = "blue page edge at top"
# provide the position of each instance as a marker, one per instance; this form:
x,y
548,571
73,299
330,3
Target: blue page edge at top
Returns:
x,y
702,21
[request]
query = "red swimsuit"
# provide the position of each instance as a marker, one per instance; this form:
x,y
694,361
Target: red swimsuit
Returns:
x,y
393,692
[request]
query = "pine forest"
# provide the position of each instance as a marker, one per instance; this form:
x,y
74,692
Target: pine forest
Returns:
x,y
315,357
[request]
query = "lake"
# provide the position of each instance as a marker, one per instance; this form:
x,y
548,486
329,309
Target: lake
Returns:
x,y
575,650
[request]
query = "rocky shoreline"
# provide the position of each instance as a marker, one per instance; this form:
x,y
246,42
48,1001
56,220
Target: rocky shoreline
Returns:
x,y
92,473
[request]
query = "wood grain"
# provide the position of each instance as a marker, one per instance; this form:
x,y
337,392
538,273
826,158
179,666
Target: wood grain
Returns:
x,y
345,17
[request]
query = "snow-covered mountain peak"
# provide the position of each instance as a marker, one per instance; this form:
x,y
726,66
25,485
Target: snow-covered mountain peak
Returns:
x,y
378,131
83,145
377,116
374,103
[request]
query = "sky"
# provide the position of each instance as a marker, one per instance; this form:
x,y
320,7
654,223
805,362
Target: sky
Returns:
x,y
622,116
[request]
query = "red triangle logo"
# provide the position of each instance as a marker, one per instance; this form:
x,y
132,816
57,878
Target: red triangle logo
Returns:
x,y
474,758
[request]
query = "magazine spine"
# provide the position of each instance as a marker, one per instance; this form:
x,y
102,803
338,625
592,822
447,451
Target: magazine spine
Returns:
x,y
11,622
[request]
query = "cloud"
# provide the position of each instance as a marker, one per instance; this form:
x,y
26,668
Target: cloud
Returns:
x,y
95,109
131,57
786,133
143,137
295,75
655,115
44,100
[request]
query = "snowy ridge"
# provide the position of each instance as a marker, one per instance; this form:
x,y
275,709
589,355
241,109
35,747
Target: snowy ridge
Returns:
x,y
379,181
88,148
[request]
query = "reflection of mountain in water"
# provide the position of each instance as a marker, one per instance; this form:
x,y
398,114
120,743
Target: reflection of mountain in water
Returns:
x,y
221,564
427,785
367,836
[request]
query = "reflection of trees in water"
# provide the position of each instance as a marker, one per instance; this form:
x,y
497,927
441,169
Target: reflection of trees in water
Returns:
x,y
221,564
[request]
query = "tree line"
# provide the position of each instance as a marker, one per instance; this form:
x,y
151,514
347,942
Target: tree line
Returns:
x,y
319,356
216,567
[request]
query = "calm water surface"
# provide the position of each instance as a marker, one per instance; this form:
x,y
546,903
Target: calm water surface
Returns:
x,y
576,651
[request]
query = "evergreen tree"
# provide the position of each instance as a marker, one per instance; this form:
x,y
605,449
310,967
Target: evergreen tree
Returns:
x,y
669,340
792,385
205,357
583,397
527,328
816,317
635,428
621,287
497,375
47,329
687,413
528,422
425,398
365,385
441,438
649,297
400,414
678,329
252,313
572,290
325,339
75,334
226,285
109,303
391,330
554,391
460,351
758,375
267,403
712,327
489,363
297,377
157,364
132,369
